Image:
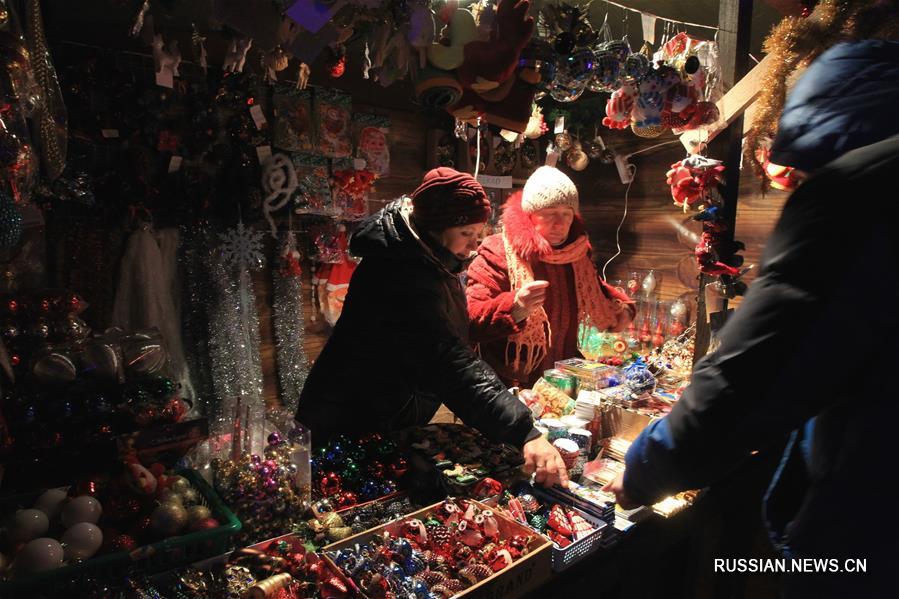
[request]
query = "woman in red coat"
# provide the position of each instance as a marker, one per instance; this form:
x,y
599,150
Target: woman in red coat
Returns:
x,y
533,284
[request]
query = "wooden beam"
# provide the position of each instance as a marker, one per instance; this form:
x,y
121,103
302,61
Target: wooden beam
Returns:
x,y
734,27
737,101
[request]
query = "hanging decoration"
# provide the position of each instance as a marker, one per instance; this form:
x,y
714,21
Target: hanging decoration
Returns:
x,y
242,247
279,183
693,178
290,328
10,222
793,44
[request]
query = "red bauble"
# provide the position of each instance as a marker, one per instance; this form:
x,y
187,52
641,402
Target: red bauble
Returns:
x,y
399,467
330,484
204,524
122,543
338,68
346,499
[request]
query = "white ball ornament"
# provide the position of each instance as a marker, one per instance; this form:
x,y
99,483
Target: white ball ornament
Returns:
x,y
28,524
39,555
50,502
82,541
81,509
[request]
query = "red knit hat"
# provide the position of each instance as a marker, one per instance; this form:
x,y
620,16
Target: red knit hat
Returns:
x,y
447,198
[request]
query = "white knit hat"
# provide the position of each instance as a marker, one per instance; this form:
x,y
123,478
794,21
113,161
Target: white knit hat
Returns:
x,y
548,187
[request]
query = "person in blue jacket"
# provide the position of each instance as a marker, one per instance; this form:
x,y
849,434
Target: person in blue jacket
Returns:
x,y
813,349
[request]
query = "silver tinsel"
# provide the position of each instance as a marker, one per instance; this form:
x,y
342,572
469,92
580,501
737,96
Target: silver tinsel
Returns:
x,y
221,330
290,328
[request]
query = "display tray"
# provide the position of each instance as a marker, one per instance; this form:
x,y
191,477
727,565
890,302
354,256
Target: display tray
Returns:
x,y
155,557
565,557
523,576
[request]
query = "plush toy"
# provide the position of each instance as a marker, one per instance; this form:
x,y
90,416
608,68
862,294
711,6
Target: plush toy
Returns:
x,y
708,252
449,52
651,98
692,178
489,63
619,107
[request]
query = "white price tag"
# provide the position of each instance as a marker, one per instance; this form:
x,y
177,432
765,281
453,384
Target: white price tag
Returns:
x,y
560,125
175,164
495,181
258,117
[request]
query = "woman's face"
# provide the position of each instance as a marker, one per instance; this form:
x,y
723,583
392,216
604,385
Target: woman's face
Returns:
x,y
461,241
553,224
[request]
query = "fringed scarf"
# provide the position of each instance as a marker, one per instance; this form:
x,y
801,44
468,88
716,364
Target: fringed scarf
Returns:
x,y
533,341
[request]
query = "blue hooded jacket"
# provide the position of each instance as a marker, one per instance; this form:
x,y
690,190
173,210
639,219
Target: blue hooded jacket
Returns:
x,y
811,351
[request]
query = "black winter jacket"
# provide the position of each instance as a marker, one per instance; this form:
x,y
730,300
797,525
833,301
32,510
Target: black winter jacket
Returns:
x,y
400,347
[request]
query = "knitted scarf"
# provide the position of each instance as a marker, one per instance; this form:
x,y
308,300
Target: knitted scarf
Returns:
x,y
534,338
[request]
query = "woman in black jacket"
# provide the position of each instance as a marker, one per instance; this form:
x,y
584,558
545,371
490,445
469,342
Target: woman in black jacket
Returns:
x,y
400,347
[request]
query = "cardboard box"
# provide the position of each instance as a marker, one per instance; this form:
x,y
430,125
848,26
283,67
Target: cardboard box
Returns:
x,y
523,576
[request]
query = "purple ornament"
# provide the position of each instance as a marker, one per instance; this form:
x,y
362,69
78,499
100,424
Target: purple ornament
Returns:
x,y
270,484
275,439
265,471
255,459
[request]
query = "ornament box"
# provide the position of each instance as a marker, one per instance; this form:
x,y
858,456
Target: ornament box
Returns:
x,y
523,576
590,375
565,557
155,557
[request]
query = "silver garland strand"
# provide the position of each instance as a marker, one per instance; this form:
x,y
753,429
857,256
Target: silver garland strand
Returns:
x,y
234,343
290,328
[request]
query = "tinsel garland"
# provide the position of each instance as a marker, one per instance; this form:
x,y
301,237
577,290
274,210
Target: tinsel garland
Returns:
x,y
197,247
234,343
796,41
290,328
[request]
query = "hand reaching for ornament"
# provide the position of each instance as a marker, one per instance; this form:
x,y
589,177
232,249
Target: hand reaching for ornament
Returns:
x,y
544,459
617,487
527,299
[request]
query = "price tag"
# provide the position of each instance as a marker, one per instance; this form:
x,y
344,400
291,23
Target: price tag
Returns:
x,y
165,78
175,164
263,153
495,181
109,133
560,125
258,117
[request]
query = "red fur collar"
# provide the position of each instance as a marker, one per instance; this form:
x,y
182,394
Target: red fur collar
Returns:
x,y
521,233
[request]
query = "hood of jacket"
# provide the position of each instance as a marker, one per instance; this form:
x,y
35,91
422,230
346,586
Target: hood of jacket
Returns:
x,y
846,99
522,234
389,234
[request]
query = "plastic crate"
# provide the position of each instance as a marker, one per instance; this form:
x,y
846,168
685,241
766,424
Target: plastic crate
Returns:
x,y
162,555
565,557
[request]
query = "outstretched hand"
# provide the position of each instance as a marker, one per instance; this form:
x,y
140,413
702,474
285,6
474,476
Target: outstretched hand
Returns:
x,y
544,459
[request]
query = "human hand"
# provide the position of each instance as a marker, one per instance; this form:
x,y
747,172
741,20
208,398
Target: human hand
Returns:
x,y
528,298
617,487
544,459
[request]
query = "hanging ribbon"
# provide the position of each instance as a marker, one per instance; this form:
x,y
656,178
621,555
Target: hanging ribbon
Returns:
x,y
279,181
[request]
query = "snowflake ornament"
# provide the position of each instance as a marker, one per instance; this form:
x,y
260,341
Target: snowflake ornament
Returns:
x,y
242,247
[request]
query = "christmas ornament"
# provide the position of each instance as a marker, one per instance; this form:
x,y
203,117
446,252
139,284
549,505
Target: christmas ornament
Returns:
x,y
279,183
692,180
27,525
39,555
562,141
242,247
51,502
81,541
573,73
168,519
81,509
577,159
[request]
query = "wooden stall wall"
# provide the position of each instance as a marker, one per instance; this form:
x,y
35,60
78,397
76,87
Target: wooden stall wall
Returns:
x,y
656,233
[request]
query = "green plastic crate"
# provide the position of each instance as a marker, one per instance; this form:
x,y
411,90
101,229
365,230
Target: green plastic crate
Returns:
x,y
156,557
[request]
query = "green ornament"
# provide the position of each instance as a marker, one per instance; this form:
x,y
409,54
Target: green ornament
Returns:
x,y
537,522
351,471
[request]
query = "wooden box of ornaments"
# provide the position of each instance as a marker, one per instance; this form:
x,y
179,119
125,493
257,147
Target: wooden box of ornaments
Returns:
x,y
57,536
529,568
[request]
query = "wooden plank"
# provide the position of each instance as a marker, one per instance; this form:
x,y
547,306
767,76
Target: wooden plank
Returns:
x,y
734,103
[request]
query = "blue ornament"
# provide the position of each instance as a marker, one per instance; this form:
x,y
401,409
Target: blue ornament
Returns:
x,y
413,565
420,588
638,378
369,490
388,487
10,222
404,548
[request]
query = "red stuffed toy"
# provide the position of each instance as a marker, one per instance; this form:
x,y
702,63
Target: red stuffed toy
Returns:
x,y
692,178
490,63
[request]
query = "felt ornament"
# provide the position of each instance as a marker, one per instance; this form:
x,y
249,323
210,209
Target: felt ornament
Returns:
x,y
489,63
619,107
236,56
448,53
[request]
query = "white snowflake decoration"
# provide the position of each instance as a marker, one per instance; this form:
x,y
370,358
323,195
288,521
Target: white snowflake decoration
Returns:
x,y
242,247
